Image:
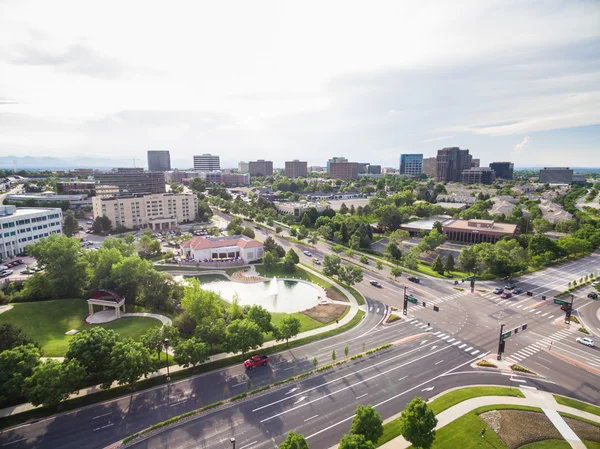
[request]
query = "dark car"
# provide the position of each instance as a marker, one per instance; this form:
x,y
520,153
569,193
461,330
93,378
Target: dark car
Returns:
x,y
414,279
375,284
510,286
592,295
506,295
517,290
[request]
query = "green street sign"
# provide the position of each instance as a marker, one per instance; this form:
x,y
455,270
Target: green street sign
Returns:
x,y
506,334
411,299
560,301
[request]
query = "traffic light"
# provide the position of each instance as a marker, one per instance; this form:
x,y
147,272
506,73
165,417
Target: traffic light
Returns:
x,y
529,294
424,304
524,326
436,309
502,343
544,297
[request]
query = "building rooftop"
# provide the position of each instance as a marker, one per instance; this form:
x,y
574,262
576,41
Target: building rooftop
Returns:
x,y
425,225
484,225
13,211
220,242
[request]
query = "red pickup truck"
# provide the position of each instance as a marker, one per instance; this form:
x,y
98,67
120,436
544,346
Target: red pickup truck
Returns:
x,y
255,361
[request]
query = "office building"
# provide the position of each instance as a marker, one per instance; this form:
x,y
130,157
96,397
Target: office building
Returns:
x,y
374,170
207,162
317,169
503,170
83,172
343,170
231,248
411,164
363,168
477,231
243,167
260,168
22,226
74,187
159,160
296,169
335,159
235,179
49,199
479,175
556,175
129,181
155,212
451,162
475,163
429,166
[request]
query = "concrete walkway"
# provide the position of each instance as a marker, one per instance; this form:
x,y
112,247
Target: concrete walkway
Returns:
x,y
163,319
354,308
533,398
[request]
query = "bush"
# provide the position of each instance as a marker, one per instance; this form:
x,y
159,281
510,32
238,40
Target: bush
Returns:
x,y
584,330
519,368
357,356
237,397
258,390
486,364
393,318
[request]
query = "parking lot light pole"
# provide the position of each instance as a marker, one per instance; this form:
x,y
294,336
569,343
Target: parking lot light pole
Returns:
x,y
166,341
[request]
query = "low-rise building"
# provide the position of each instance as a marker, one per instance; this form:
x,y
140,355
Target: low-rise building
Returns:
x,y
479,175
477,231
156,212
22,226
236,247
76,187
556,175
49,198
297,209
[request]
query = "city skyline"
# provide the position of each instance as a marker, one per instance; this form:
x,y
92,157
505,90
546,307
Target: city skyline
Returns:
x,y
502,86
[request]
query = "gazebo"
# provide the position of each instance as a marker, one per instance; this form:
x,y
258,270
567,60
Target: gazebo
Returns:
x,y
106,299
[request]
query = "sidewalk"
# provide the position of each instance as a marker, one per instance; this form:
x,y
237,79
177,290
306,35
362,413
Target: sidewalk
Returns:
x,y
533,398
354,308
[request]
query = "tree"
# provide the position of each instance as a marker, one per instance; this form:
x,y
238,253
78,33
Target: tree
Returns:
x,y
398,236
52,382
389,217
379,265
235,310
12,336
130,360
16,365
350,274
211,331
331,265
350,441
294,441
288,328
467,259
438,265
261,317
396,272
92,349
449,263
305,220
269,244
343,209
153,339
346,351
278,229
410,259
200,304
243,336
364,259
97,225
268,261
190,352
248,232
417,424
392,252
105,224
542,226
333,356
70,224
368,423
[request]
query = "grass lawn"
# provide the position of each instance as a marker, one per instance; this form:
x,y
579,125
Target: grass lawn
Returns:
x,y
47,321
547,444
591,444
306,322
577,404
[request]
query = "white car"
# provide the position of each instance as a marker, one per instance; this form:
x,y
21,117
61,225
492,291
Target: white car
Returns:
x,y
595,283
586,341
307,253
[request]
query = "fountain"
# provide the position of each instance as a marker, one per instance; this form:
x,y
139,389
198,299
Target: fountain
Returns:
x,y
273,287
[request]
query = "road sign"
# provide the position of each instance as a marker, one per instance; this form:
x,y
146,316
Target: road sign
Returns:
x,y
560,301
411,299
506,334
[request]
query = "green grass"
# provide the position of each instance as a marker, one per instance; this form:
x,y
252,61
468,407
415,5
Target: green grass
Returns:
x,y
454,397
579,418
591,444
547,444
577,404
306,322
47,321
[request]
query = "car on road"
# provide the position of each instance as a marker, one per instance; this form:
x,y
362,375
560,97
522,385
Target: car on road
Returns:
x,y
498,290
586,341
316,261
257,227
595,283
89,223
5,273
517,290
592,295
307,253
414,279
510,286
506,295
375,284
257,360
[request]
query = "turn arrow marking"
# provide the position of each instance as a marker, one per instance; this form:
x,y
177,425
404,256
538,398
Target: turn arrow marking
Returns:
x,y
427,389
300,399
432,348
292,390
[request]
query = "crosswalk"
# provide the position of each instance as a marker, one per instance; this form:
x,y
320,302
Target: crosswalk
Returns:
x,y
521,303
436,301
447,338
536,347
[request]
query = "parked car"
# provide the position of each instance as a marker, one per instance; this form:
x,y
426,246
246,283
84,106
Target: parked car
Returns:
x,y
510,286
316,261
593,295
255,361
3,267
506,295
586,341
517,290
307,253
595,283
375,284
498,290
414,279
6,273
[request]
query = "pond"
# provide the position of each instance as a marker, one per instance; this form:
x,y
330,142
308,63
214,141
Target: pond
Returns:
x,y
274,295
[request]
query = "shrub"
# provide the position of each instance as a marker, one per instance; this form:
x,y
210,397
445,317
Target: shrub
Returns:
x,y
486,364
258,390
584,330
393,318
237,397
519,368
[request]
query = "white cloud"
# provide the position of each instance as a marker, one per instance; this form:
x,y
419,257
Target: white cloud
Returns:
x,y
521,147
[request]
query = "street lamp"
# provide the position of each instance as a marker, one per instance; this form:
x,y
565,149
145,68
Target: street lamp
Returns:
x,y
166,341
232,441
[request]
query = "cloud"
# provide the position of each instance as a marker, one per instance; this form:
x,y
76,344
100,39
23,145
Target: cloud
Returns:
x,y
521,147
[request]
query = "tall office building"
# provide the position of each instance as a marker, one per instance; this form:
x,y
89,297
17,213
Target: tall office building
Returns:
x,y
374,170
475,163
129,181
343,170
503,170
451,162
207,162
296,169
429,166
260,168
159,160
335,159
556,175
478,175
243,167
411,164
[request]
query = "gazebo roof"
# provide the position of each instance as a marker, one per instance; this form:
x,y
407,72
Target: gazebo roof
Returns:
x,y
107,295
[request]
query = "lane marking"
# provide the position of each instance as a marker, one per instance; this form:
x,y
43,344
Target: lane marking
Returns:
x,y
462,346
242,383
104,427
527,386
437,363
362,396
249,444
457,342
451,340
100,416
475,352
469,348
402,378
13,442
307,419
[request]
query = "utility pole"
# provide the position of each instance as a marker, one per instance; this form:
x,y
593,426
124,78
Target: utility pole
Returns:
x,y
501,342
568,311
405,308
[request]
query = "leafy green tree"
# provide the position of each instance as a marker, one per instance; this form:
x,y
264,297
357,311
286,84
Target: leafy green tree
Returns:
x,y
350,253
268,261
449,263
396,272
269,244
392,252
389,217
153,339
432,240
351,441
52,382
200,304
333,356
305,220
243,336
92,349
350,274
331,265
367,422
97,225
105,223
288,263
16,365
542,226
288,328
211,331
364,259
190,352
410,260
130,360
438,265
346,351
278,229
125,245
294,441
398,236
379,265
467,259
126,276
417,424
70,224
12,336
315,362
337,248
343,209
249,232
261,317
236,312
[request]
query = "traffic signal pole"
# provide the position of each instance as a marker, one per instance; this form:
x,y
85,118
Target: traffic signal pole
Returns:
x,y
568,311
501,342
405,309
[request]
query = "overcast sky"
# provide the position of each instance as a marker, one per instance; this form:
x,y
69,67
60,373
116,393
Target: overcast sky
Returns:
x,y
278,80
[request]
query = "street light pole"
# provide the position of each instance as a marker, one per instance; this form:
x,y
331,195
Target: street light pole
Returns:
x,y
232,442
166,341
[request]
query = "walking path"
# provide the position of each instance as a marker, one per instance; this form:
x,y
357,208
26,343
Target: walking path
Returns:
x,y
533,398
163,319
354,308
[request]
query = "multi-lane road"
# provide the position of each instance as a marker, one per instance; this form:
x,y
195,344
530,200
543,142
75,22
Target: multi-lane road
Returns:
x,y
431,351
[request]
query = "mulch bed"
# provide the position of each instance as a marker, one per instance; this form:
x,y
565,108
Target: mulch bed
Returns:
x,y
335,294
584,430
325,313
519,427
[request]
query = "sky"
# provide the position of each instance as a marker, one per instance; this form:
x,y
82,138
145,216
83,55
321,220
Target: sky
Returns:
x,y
281,80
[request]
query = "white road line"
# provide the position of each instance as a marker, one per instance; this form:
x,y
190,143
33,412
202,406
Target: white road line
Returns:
x,y
545,314
457,342
370,308
447,336
178,403
362,396
100,416
250,444
469,348
307,419
13,442
242,383
402,378
377,310
436,333
437,363
538,312
462,346
551,316
527,386
451,340
475,352
104,427
517,380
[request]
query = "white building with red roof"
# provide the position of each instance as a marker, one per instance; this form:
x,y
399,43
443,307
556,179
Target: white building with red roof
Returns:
x,y
235,247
